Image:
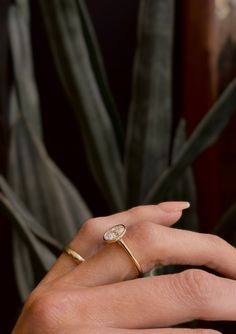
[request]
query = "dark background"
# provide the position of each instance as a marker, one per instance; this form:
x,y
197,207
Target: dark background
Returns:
x,y
202,68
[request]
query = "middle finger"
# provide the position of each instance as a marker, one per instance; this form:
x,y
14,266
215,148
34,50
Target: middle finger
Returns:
x,y
160,301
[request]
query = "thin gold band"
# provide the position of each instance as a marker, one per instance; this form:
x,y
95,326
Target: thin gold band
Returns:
x,y
74,255
128,251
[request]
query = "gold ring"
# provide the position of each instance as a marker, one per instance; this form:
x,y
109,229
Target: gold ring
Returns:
x,y
74,255
115,234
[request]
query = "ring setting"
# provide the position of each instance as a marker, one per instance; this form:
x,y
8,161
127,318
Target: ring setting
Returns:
x,y
115,233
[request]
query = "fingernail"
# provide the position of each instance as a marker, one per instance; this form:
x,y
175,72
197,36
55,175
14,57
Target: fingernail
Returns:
x,y
173,206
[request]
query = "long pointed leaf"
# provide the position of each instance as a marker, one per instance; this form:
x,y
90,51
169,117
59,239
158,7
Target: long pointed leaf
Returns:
x,y
184,188
23,266
38,230
99,70
73,63
34,255
149,126
22,63
46,193
205,134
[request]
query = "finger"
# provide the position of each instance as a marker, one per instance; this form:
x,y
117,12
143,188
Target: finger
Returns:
x,y
89,239
155,245
99,330
161,301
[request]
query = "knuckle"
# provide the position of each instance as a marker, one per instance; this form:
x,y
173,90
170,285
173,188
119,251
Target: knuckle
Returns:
x,y
89,225
45,310
144,230
50,309
197,287
137,211
215,240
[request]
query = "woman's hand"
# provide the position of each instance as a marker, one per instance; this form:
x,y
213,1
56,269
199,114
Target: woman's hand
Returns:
x,y
102,295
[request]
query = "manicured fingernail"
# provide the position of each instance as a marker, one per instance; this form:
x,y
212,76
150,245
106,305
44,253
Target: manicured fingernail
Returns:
x,y
173,206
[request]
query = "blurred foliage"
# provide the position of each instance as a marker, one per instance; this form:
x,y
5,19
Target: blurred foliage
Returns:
x,y
147,164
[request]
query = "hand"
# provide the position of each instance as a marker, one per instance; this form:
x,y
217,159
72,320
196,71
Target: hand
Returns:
x,y
102,295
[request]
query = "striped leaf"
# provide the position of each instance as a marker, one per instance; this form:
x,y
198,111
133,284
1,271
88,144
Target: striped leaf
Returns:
x,y
71,54
205,135
32,225
184,189
32,259
99,71
150,118
19,32
39,184
48,195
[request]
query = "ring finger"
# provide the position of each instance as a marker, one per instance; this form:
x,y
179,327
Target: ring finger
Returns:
x,y
155,245
89,239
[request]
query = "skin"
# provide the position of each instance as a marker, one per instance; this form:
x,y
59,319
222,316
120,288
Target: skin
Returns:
x,y
104,295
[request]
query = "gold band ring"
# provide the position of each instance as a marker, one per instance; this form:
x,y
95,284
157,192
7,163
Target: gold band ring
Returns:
x,y
115,234
74,255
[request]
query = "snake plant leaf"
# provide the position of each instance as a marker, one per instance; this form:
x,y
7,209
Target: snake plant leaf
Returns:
x,y
38,230
19,33
66,37
48,195
32,258
100,73
204,135
184,188
24,273
150,117
39,184
24,264
226,228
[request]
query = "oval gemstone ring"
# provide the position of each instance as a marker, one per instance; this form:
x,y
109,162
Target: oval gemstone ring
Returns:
x,y
115,234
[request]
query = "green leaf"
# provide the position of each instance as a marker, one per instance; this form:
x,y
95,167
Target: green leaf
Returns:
x,y
184,189
226,228
32,259
44,190
19,32
205,135
38,230
72,59
99,71
150,118
23,266
48,195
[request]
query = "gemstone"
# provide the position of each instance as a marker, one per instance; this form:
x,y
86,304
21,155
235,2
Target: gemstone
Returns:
x,y
115,233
